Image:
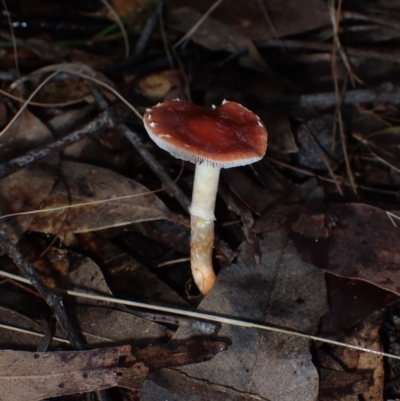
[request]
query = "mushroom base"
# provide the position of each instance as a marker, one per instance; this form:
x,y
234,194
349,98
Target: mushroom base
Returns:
x,y
202,241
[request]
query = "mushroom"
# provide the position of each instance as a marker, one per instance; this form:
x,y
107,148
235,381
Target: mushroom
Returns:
x,y
222,137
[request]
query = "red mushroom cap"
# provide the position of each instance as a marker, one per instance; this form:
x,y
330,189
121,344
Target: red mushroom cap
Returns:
x,y
227,136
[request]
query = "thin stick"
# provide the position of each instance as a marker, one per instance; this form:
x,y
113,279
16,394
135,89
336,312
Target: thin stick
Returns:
x,y
183,86
108,87
335,20
320,177
109,118
52,299
147,30
392,217
39,104
26,103
173,262
271,26
72,69
169,184
205,316
32,333
385,93
75,205
326,47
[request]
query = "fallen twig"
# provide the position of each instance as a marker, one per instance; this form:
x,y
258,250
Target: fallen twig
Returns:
x,y
109,118
52,299
169,185
211,318
385,93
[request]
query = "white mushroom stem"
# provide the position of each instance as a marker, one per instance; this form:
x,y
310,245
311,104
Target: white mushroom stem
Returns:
x,y
202,221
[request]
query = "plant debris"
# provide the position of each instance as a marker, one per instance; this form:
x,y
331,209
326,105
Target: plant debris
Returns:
x,y
95,224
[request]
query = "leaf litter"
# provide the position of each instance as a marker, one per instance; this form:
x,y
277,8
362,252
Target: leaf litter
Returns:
x,y
286,231
83,184
281,291
26,189
39,375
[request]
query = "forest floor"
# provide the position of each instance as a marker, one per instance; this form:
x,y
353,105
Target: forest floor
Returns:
x,y
96,290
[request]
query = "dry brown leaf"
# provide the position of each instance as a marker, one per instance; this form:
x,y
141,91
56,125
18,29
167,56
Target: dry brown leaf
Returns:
x,y
172,355
13,339
85,275
99,324
30,376
287,17
282,291
26,189
102,326
34,375
350,240
126,275
84,183
216,36
162,386
25,134
351,302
